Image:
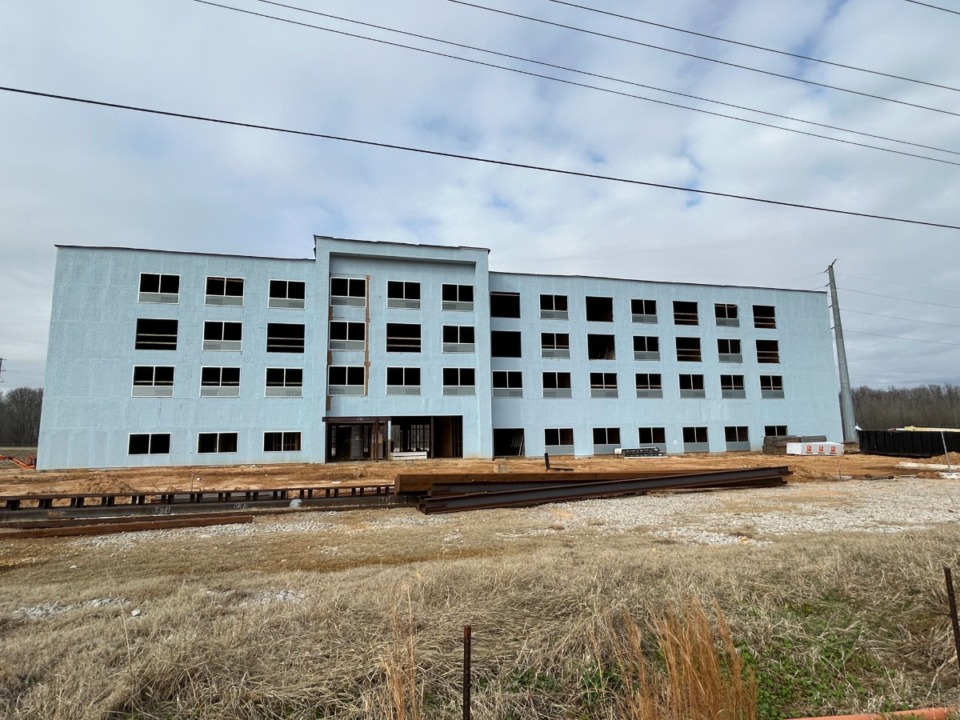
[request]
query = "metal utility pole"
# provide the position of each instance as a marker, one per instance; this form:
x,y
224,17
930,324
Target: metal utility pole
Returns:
x,y
1,369
846,398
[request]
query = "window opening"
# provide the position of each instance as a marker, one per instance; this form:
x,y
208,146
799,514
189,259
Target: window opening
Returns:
x,y
691,386
727,315
458,339
732,387
768,351
348,291
225,336
403,294
555,345
685,313
281,442
771,386
403,337
556,385
284,382
346,380
149,444
505,304
347,335
152,381
159,288
224,442
603,385
599,309
459,381
287,294
643,311
285,337
403,381
153,334
507,383
505,344
601,347
457,297
553,307
649,385
764,316
224,291
220,382
688,349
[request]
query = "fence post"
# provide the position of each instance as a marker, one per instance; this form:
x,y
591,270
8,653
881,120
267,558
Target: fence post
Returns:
x,y
953,611
546,461
466,671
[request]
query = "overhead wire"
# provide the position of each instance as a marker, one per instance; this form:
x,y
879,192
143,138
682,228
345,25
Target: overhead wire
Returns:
x,y
565,68
935,7
471,158
891,297
584,85
752,46
894,282
895,317
703,57
900,337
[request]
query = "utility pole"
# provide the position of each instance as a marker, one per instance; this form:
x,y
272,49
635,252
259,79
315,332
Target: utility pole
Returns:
x,y
846,398
1,369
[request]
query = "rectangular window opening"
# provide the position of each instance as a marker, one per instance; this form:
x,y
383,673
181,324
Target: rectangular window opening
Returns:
x,y
771,387
764,316
459,381
287,294
505,344
284,382
603,385
348,291
601,347
691,386
403,294
556,385
768,351
732,387
217,442
152,381
649,385
652,436
507,383
346,380
727,315
458,339
555,345
154,334
285,337
224,291
505,304
559,440
346,335
403,381
222,336
643,311
457,297
159,288
685,313
646,347
281,442
599,309
403,337
553,307
688,349
220,382
149,444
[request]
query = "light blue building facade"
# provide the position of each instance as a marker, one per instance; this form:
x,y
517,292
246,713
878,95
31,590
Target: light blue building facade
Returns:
x,y
377,350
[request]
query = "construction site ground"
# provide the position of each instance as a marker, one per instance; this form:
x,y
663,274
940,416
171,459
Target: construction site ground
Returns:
x,y
14,481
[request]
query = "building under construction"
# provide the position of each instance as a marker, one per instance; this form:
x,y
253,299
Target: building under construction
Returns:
x,y
376,350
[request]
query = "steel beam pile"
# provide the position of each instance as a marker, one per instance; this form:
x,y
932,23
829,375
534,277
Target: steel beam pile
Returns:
x,y
456,497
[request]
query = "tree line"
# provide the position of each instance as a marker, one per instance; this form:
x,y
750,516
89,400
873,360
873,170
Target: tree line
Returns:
x,y
925,406
20,416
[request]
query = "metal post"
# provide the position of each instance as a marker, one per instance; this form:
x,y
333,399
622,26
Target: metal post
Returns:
x,y
953,612
846,398
466,671
546,461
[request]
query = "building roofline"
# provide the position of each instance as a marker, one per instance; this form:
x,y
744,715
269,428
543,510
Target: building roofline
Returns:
x,y
181,252
403,244
657,282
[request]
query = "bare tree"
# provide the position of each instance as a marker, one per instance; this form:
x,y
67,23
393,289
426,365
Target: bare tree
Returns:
x,y
20,413
926,406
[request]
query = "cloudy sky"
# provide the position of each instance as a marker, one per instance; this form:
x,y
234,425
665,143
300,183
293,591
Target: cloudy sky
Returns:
x,y
79,174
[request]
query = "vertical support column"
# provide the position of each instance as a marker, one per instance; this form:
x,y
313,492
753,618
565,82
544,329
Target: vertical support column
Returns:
x,y
846,398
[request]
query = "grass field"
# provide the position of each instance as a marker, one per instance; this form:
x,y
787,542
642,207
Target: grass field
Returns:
x,y
363,618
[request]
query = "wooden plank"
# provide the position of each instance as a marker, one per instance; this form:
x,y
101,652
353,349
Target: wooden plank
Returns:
x,y
109,528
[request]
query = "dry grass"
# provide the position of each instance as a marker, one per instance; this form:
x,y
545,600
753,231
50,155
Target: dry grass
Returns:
x,y
364,621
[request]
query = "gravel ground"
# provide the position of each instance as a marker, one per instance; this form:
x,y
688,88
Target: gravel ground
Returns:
x,y
731,516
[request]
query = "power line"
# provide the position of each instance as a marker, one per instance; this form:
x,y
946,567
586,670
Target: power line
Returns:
x,y
703,57
894,282
471,158
579,84
895,317
900,337
752,46
935,7
890,297
585,73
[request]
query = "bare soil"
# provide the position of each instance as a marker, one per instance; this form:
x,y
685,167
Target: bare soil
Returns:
x,y
14,481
